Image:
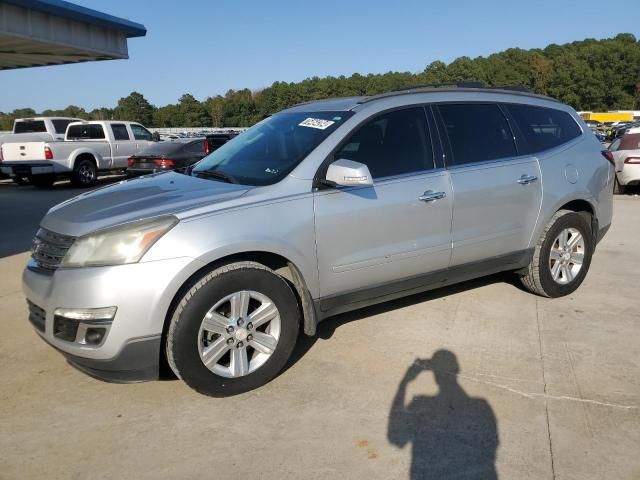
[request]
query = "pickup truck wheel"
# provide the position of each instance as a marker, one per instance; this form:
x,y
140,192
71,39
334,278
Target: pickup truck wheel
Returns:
x,y
234,330
84,174
22,181
42,181
562,256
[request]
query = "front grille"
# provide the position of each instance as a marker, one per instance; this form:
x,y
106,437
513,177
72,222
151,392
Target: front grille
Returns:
x,y
36,316
49,248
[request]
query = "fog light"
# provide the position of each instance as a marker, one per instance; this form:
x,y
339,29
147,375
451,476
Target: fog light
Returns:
x,y
94,335
86,326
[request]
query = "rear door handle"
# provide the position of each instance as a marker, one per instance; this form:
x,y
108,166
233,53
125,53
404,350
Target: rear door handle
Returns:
x,y
527,179
431,196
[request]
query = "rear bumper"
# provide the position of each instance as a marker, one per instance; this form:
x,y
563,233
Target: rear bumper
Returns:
x,y
630,174
137,172
25,169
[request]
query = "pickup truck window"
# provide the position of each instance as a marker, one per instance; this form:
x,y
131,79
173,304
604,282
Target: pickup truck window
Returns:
x,y
140,133
120,131
30,126
61,125
85,132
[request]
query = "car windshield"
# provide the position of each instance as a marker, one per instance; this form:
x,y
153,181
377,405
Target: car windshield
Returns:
x,y
269,150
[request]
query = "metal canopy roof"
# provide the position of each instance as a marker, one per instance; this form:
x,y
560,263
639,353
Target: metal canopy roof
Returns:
x,y
53,32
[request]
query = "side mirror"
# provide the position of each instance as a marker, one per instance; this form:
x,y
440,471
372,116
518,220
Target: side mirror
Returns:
x,y
155,136
347,173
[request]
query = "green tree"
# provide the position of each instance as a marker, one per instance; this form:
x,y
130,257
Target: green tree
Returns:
x,y
192,112
134,108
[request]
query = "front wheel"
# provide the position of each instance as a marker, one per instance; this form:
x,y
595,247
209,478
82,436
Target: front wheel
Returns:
x,y
234,330
562,256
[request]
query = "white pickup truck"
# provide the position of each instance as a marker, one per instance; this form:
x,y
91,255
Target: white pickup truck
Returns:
x,y
87,148
34,129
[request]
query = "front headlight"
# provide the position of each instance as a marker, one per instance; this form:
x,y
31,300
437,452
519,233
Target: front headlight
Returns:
x,y
118,245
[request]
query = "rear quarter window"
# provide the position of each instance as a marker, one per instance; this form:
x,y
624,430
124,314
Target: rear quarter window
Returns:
x,y
544,128
85,132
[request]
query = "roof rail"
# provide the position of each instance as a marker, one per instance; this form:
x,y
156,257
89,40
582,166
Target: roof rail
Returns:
x,y
458,87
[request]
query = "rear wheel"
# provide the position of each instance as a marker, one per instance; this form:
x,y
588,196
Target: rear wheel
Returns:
x,y
42,181
617,188
84,173
562,256
22,181
234,330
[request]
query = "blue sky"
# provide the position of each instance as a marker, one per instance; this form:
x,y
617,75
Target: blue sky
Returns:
x,y
207,47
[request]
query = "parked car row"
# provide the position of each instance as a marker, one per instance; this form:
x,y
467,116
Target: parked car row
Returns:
x,y
37,152
609,131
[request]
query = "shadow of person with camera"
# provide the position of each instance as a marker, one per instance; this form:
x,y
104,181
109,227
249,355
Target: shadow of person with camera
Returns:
x,y
453,435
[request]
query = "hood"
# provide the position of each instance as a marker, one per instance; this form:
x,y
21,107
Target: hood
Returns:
x,y
151,196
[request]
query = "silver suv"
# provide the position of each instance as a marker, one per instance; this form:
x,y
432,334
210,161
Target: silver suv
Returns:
x,y
322,208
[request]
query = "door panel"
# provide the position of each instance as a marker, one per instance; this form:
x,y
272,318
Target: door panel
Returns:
x,y
372,235
494,214
123,147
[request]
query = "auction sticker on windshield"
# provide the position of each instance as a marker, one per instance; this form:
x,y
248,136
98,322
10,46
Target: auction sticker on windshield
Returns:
x,y
318,123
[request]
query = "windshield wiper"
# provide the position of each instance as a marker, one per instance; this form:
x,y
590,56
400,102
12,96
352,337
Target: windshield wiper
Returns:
x,y
216,174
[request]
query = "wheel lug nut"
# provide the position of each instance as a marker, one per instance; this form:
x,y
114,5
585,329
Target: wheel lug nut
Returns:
x,y
249,337
249,326
240,345
240,322
229,341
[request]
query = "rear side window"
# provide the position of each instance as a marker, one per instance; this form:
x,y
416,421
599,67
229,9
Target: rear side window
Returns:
x,y
119,131
477,132
30,126
394,143
544,128
61,125
140,133
85,132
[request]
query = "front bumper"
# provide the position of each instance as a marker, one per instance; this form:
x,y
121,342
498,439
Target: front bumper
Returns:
x,y
142,293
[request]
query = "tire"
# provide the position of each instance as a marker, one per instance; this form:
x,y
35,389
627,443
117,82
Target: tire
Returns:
x,y
617,188
539,278
22,181
42,181
84,173
188,341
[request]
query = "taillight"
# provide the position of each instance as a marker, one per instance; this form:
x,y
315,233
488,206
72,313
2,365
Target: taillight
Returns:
x,y
632,160
130,161
206,147
163,162
48,154
608,155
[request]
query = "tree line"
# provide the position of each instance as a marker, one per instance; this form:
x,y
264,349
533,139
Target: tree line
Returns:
x,y
588,75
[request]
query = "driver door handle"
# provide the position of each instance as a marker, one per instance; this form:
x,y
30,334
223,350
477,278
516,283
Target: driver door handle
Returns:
x,y
431,196
527,179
